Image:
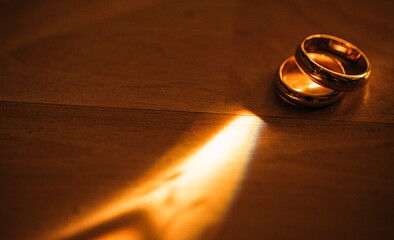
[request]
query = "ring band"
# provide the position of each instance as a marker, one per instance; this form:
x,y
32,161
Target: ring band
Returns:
x,y
356,65
298,89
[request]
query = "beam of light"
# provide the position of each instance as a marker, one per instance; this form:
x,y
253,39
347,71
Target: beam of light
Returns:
x,y
188,201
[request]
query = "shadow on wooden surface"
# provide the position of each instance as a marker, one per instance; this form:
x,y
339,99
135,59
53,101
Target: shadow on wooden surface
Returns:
x,y
185,56
107,93
137,224
338,178
66,160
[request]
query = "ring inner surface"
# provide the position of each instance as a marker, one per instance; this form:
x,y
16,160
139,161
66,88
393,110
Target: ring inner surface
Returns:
x,y
351,58
301,83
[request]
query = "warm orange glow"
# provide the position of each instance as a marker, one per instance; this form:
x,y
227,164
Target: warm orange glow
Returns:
x,y
294,78
313,85
340,47
310,86
121,234
187,201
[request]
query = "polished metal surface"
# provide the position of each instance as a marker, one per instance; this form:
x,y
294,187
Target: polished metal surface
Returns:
x,y
297,88
356,64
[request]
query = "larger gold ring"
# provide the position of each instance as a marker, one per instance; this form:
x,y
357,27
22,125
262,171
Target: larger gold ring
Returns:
x,y
356,65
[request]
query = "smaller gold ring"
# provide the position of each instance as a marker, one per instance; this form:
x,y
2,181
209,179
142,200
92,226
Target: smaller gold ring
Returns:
x,y
298,89
356,64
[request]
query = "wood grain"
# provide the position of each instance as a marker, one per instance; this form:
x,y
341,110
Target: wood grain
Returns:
x,y
317,180
199,56
97,96
58,162
57,166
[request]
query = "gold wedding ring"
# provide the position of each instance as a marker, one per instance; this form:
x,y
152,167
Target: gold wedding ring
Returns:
x,y
355,62
297,88
321,70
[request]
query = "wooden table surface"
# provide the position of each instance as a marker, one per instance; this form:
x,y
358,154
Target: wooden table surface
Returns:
x,y
99,97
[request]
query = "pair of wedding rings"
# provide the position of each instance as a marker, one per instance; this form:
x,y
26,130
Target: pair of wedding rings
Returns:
x,y
322,68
